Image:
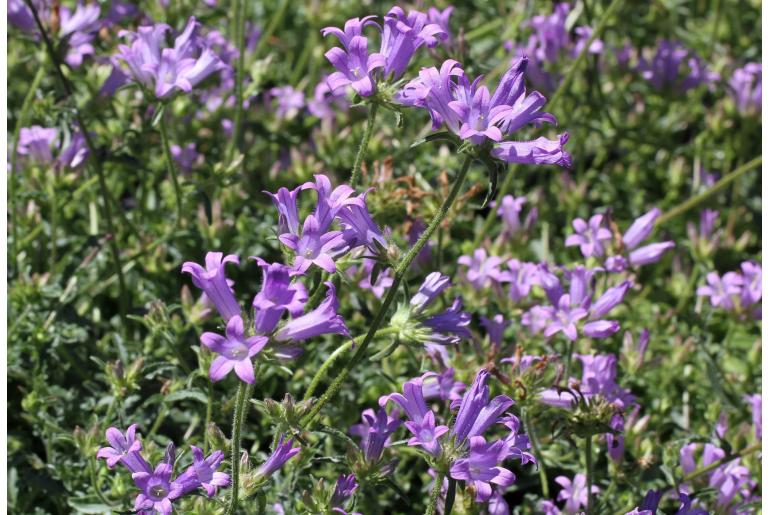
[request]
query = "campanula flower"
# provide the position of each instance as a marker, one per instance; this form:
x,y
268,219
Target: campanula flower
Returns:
x,y
375,431
235,351
592,236
322,320
282,453
574,492
213,282
746,88
480,468
278,295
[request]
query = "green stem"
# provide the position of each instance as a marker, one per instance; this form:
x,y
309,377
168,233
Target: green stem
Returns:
x,y
398,276
239,414
339,351
435,493
239,13
536,451
708,468
355,174
716,188
171,167
12,179
94,161
449,502
54,223
209,409
95,483
589,475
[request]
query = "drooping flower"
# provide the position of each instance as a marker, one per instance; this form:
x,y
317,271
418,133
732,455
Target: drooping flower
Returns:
x,y
282,453
322,320
213,282
235,351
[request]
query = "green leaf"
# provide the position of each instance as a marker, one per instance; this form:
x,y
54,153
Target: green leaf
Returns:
x,y
191,394
436,136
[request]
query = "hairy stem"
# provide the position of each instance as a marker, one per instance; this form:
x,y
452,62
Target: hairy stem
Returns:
x,y
716,188
239,414
355,174
339,351
435,493
398,276
589,475
171,167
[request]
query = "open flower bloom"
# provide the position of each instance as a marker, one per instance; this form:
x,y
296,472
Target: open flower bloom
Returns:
x,y
480,468
203,471
125,450
469,110
277,296
591,236
375,431
574,492
168,70
235,351
746,89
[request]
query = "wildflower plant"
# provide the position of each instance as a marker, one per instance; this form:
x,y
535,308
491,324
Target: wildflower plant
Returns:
x,y
318,258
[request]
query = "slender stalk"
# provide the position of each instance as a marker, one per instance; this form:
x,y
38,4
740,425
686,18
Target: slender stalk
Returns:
x,y
536,451
21,121
239,414
398,276
171,167
716,188
339,351
95,483
708,468
239,15
209,409
355,174
54,221
589,475
449,502
93,162
435,493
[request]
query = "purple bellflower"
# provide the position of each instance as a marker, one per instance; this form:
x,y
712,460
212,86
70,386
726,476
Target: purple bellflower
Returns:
x,y
746,89
315,246
591,236
480,468
277,296
282,453
375,431
235,351
290,101
203,471
574,492
476,411
36,142
166,71
125,449
185,157
322,320
213,282
402,35
482,270
474,114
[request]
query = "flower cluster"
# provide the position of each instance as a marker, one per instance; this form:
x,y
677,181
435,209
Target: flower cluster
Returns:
x,y
36,145
664,68
736,292
471,457
729,480
595,241
401,36
167,70
470,111
159,488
